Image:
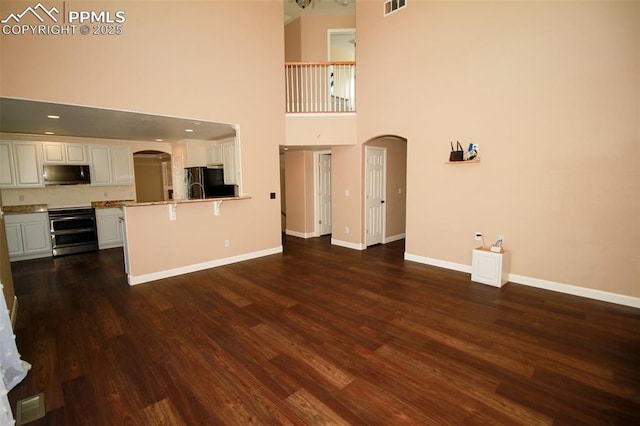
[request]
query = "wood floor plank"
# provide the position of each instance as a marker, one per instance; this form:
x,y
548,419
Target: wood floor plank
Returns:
x,y
319,334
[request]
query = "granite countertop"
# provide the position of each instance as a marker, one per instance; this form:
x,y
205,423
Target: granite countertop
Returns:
x,y
185,201
25,209
111,204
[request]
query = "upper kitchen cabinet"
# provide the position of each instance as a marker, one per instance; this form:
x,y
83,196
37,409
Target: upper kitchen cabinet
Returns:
x,y
7,174
224,154
196,153
64,153
20,165
111,165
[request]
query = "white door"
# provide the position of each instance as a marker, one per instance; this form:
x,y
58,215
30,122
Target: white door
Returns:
x,y
375,179
324,194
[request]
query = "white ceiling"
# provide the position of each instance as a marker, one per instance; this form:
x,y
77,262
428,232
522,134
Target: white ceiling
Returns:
x,y
30,117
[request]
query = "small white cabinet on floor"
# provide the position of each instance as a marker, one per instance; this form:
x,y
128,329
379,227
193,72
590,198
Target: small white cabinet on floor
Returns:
x,y
489,268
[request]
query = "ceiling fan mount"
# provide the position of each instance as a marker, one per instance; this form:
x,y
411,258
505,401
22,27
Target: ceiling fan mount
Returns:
x,y
303,3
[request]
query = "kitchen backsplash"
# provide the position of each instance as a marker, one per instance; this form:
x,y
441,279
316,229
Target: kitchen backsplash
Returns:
x,y
66,195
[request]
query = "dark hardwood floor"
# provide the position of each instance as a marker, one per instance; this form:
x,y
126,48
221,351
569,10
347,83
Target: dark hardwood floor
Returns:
x,y
318,335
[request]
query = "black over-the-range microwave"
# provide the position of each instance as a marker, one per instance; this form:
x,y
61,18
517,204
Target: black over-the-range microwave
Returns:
x,y
66,174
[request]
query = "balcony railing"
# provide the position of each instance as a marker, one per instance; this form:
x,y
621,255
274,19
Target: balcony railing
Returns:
x,y
320,87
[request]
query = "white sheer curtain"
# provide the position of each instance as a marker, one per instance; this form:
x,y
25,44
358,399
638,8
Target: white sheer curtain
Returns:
x,y
12,368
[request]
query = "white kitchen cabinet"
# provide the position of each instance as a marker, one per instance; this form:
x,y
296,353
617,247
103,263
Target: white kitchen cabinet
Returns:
x,y
64,153
20,165
490,268
229,162
111,165
7,172
27,162
214,155
100,164
28,236
224,154
197,153
109,225
121,165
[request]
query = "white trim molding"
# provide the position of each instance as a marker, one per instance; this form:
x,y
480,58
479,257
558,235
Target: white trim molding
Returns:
x,y
393,238
140,279
573,290
347,244
300,234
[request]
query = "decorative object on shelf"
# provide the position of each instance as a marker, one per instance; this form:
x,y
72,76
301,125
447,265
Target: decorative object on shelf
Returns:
x,y
457,154
303,3
497,246
471,153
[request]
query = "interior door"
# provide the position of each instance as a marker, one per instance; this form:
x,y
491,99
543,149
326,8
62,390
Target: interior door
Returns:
x,y
375,182
324,193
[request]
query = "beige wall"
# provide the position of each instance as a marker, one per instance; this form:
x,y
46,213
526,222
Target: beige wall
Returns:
x,y
299,178
346,195
293,41
306,38
148,179
214,61
313,33
321,129
551,93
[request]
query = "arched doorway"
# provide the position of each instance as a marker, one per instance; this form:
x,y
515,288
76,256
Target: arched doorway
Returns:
x,y
385,182
153,176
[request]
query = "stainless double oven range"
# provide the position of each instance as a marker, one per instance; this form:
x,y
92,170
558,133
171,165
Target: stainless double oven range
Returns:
x,y
73,230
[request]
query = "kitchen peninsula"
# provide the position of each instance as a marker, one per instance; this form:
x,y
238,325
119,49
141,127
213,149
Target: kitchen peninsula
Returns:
x,y
175,237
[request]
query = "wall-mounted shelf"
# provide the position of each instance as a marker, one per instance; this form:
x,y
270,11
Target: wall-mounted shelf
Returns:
x,y
476,160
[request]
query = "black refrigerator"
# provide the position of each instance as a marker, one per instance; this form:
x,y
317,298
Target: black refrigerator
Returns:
x,y
207,182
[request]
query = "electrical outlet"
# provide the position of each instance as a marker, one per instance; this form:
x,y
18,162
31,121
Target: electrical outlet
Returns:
x,y
478,236
346,230
227,243
21,197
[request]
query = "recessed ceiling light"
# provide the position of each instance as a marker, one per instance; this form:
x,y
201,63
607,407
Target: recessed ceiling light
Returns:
x,y
49,133
188,130
159,140
53,116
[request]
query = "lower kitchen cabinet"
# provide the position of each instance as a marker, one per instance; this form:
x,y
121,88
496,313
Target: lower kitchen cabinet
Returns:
x,y
28,236
109,228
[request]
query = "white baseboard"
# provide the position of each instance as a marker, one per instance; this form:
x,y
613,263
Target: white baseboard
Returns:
x,y
573,290
347,244
437,262
393,238
133,280
603,296
300,234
